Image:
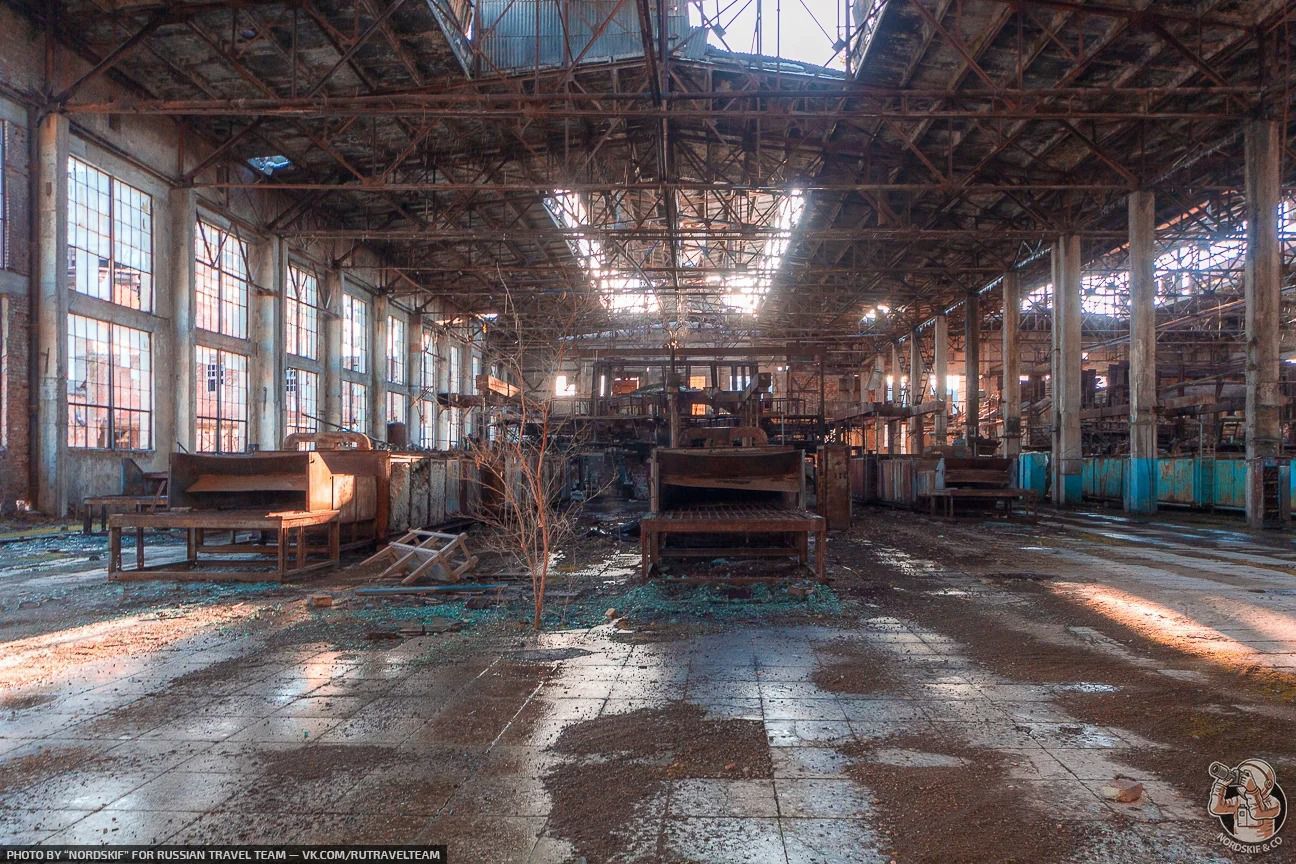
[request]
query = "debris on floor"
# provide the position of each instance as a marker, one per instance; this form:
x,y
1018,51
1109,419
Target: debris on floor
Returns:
x,y
730,721
1122,790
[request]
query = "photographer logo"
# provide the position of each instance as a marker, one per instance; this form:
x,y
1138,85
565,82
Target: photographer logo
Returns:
x,y
1249,804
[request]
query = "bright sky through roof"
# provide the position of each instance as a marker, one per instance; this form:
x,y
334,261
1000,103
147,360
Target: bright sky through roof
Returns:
x,y
804,30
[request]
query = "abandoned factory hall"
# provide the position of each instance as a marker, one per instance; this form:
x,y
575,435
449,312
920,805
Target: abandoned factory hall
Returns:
x,y
636,431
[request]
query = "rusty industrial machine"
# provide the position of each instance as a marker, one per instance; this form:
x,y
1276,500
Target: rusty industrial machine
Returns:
x,y
301,507
237,510
351,482
729,502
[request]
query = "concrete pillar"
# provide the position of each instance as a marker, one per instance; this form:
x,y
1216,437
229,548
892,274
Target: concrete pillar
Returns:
x,y
183,207
331,348
915,391
893,426
878,395
378,308
1140,490
50,450
1263,310
1066,458
972,367
876,384
1010,393
940,371
414,373
267,341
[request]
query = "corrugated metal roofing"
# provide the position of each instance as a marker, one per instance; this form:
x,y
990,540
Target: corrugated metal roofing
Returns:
x,y
571,31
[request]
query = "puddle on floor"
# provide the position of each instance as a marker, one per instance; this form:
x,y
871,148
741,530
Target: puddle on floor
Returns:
x,y
1087,687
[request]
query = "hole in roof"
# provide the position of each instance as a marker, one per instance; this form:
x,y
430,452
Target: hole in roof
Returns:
x,y
270,165
735,264
813,32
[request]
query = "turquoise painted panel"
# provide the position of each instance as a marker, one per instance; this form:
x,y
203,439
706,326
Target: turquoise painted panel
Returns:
x,y
1228,488
1103,477
1072,493
1032,472
1176,481
1140,485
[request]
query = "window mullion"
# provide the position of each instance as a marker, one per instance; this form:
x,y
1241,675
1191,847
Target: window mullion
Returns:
x,y
112,259
220,398
112,390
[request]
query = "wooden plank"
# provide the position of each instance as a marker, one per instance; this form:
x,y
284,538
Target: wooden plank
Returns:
x,y
780,483
195,575
465,587
732,552
248,483
224,520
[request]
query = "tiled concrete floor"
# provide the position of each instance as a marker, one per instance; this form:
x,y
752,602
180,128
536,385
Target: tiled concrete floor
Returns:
x,y
216,735
198,763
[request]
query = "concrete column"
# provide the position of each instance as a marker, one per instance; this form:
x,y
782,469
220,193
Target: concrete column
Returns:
x,y
940,370
893,427
378,308
1066,457
1140,490
876,385
183,207
50,450
915,391
878,394
331,348
972,367
1263,308
413,372
267,340
1010,393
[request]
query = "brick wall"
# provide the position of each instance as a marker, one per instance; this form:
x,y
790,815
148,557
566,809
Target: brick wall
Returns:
x,y
16,454
15,326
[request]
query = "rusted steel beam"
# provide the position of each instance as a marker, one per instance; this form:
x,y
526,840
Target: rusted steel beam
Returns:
x,y
115,56
1133,13
355,46
954,42
367,185
434,234
812,102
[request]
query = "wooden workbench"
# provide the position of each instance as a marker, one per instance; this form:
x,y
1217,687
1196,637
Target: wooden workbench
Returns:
x,y
746,521
291,547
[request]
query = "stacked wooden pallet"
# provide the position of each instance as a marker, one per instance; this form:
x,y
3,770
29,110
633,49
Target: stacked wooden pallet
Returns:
x,y
418,555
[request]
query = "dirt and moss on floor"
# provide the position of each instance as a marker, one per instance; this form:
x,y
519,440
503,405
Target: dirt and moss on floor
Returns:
x,y
941,660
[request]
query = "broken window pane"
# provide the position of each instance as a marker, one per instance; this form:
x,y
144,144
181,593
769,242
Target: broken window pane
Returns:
x,y
221,279
301,401
395,407
221,425
110,238
109,386
355,334
301,314
396,350
355,403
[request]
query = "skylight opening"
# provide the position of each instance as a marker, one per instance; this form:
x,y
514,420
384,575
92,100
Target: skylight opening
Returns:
x,y
1191,268
745,289
784,29
270,165
619,291
873,314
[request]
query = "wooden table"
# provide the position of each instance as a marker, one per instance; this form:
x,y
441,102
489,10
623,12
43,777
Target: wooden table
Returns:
x,y
291,548
735,520
945,498
106,504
